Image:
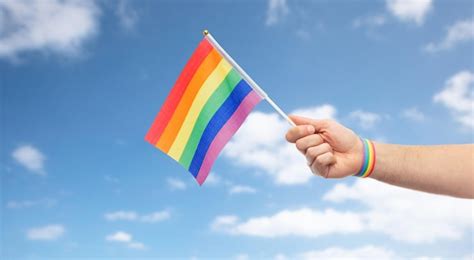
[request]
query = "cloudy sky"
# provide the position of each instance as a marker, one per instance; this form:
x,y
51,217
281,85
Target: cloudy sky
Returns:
x,y
81,82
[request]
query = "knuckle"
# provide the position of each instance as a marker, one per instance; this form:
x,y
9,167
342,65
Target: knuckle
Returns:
x,y
312,152
300,144
320,160
329,122
318,139
294,133
331,158
302,131
326,147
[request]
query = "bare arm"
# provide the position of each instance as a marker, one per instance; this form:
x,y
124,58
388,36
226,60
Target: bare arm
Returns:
x,y
334,151
441,169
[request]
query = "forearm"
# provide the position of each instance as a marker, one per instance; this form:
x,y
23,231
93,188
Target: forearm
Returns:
x,y
443,169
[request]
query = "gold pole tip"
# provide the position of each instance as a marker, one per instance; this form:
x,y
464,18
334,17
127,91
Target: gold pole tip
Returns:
x,y
205,32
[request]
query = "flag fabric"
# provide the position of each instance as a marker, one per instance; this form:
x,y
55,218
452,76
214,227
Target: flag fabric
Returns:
x,y
208,103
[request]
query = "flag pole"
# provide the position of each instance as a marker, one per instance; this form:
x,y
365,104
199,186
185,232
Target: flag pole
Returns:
x,y
246,77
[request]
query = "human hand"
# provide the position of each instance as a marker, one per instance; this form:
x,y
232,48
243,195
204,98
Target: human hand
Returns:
x,y
331,150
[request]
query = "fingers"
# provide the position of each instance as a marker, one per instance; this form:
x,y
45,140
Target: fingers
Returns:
x,y
313,152
309,140
298,132
319,125
322,163
306,142
306,126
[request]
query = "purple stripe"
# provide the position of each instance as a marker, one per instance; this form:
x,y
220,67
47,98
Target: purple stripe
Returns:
x,y
226,132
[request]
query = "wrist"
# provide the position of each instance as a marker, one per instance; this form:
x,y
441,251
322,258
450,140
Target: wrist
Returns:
x,y
368,158
387,156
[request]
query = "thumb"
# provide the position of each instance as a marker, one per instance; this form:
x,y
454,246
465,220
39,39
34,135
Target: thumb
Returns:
x,y
318,124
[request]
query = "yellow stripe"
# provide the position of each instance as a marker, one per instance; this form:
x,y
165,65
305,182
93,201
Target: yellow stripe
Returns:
x,y
206,90
371,159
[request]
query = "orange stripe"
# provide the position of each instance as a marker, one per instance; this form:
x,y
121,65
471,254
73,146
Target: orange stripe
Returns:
x,y
172,129
371,159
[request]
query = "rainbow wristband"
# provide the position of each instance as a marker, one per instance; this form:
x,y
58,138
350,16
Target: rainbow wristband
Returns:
x,y
368,164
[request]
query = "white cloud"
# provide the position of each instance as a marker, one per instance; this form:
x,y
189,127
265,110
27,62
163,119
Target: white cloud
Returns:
x,y
176,184
277,10
128,17
410,10
212,179
31,158
237,189
469,256
414,114
119,236
50,232
153,217
365,119
460,32
121,215
458,97
221,222
384,209
260,143
125,238
302,222
370,21
325,111
241,257
365,252
362,253
359,253
46,25
398,212
280,257
31,203
137,245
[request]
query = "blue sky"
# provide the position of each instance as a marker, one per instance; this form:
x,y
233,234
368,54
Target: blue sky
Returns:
x,y
81,82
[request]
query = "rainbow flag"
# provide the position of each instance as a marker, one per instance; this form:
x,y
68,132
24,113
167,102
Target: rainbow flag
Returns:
x,y
207,105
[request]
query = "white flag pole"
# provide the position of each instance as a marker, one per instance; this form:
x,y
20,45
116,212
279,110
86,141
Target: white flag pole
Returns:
x,y
246,77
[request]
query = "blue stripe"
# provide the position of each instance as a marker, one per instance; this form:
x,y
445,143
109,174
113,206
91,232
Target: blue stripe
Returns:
x,y
366,158
217,122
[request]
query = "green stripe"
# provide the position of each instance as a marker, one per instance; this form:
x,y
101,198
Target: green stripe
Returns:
x,y
366,158
209,109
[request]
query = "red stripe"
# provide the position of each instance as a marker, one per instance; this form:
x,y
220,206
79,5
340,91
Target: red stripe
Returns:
x,y
372,165
172,101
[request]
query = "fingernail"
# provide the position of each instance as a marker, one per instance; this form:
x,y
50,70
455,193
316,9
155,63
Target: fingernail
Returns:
x,y
310,128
